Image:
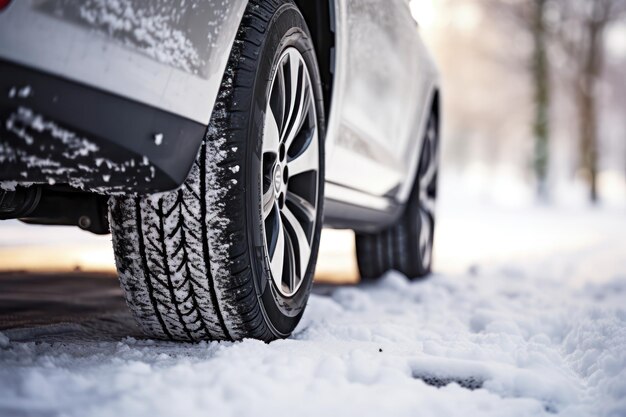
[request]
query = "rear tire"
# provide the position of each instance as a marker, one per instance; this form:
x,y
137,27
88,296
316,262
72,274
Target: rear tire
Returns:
x,y
194,263
406,246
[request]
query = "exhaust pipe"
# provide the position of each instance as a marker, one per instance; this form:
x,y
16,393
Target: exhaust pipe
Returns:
x,y
57,205
19,203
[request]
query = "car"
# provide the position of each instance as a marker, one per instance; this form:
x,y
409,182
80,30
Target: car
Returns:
x,y
214,139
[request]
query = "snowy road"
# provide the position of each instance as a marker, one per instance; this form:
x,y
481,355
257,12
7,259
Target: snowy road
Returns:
x,y
526,317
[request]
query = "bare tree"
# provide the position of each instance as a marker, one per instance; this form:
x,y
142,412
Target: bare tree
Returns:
x,y
541,86
581,28
530,17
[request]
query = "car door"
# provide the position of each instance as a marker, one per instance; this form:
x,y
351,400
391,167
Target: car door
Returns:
x,y
381,89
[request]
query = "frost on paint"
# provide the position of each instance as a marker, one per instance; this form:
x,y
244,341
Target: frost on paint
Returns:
x,y
140,26
173,32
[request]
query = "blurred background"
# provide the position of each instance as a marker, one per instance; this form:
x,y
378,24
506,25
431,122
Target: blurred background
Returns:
x,y
534,134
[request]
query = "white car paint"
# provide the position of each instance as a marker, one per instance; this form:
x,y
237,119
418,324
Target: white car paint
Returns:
x,y
383,86
78,42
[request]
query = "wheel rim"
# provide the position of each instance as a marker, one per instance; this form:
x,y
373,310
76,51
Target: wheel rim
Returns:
x,y
428,192
290,172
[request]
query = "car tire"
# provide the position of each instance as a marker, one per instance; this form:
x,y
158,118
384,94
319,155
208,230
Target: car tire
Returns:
x,y
232,253
407,245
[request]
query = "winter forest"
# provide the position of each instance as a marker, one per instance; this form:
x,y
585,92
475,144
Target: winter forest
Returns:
x,y
536,103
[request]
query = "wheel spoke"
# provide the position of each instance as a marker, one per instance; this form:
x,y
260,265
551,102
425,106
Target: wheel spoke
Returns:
x,y
427,203
428,176
292,81
425,243
277,255
277,97
271,133
431,135
301,110
304,208
292,279
431,169
308,158
297,234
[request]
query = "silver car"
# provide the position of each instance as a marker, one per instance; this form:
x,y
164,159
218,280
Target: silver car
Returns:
x,y
214,139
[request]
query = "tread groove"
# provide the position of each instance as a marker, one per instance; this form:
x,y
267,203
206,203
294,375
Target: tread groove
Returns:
x,y
189,280
205,245
168,274
144,263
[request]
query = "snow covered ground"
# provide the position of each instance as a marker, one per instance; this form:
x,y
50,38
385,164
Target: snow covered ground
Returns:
x,y
526,316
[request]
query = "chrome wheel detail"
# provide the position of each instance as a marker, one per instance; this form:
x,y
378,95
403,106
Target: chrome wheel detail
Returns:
x,y
290,172
428,192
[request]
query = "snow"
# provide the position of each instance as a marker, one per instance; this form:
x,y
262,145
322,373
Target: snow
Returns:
x,y
24,118
73,165
524,317
25,91
144,27
4,341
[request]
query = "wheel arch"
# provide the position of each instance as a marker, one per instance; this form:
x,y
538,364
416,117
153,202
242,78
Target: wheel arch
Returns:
x,y
320,19
433,106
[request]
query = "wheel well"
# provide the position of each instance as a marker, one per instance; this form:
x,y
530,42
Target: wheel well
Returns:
x,y
320,18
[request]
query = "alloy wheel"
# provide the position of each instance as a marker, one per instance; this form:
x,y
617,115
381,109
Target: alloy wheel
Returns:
x,y
428,192
290,172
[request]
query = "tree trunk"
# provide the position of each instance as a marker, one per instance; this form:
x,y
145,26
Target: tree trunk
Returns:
x,y
541,86
588,137
586,90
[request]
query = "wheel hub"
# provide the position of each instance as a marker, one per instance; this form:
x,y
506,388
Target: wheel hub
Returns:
x,y
278,180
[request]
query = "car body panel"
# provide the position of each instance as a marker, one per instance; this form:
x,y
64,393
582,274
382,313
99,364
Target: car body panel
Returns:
x,y
167,54
385,82
171,56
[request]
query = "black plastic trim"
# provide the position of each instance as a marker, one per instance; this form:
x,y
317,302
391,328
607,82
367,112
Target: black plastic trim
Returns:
x,y
342,215
64,206
123,130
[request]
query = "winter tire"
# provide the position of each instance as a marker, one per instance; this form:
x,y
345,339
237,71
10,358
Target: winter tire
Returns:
x,y
231,254
407,245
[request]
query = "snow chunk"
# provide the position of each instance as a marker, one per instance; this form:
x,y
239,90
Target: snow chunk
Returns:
x,y
4,340
25,91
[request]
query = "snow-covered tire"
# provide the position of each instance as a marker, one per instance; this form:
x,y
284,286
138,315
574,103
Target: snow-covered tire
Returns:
x,y
407,245
193,263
